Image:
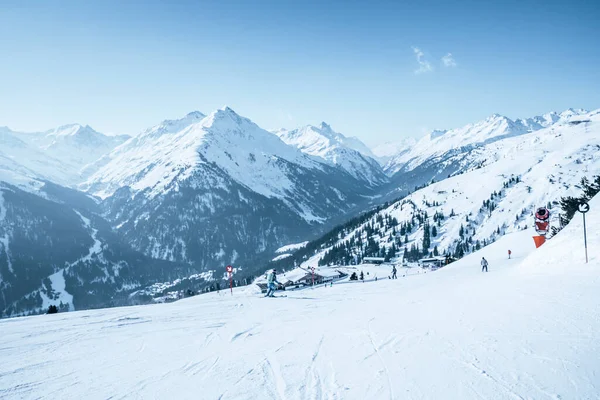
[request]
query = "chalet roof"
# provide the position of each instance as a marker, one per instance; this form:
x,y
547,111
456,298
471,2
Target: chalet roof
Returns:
x,y
294,275
327,272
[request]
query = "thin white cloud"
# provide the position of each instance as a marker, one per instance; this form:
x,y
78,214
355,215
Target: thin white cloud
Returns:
x,y
449,60
424,65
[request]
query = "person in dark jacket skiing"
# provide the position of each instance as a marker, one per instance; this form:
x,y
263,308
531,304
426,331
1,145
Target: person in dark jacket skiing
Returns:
x,y
394,272
484,264
271,281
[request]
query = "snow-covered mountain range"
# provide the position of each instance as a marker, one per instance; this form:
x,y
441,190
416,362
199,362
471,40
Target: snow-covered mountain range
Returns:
x,y
191,195
444,145
60,155
218,189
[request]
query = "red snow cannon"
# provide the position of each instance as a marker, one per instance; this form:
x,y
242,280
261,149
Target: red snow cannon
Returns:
x,y
542,221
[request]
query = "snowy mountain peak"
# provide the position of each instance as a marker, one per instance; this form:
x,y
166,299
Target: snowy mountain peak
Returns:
x,y
545,120
324,126
436,133
233,143
570,112
195,115
76,136
498,119
225,112
348,153
72,130
171,126
228,121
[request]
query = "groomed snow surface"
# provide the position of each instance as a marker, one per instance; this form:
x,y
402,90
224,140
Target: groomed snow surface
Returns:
x,y
527,329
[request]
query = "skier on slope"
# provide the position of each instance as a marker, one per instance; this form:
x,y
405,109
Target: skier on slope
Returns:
x,y
484,264
271,281
394,271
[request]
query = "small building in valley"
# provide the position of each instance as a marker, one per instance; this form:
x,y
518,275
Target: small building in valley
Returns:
x,y
373,260
435,262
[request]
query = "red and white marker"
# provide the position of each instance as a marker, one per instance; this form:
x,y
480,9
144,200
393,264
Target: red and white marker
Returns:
x,y
229,270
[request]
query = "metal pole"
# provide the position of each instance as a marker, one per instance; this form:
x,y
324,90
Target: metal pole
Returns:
x,y
230,283
585,239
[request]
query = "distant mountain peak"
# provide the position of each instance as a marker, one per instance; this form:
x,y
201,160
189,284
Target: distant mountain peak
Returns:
x,y
68,126
349,154
325,126
571,112
73,130
195,114
170,126
436,133
226,110
222,114
496,118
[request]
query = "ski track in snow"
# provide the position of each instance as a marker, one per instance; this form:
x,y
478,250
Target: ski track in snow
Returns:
x,y
383,364
528,329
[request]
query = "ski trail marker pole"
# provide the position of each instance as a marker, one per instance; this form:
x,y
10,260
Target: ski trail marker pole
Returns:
x,y
585,239
583,208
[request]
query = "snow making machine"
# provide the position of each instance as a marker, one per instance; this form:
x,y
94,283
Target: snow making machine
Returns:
x,y
542,225
542,221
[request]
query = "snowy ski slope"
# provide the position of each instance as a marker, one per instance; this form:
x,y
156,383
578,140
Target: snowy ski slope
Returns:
x,y
528,329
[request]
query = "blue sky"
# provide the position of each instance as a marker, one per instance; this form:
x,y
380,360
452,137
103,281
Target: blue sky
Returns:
x,y
122,66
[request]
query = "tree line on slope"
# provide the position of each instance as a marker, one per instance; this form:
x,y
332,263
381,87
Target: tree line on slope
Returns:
x,y
374,234
569,204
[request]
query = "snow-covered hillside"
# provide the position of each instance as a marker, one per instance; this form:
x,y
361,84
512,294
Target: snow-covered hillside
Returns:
x,y
472,209
527,329
348,153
